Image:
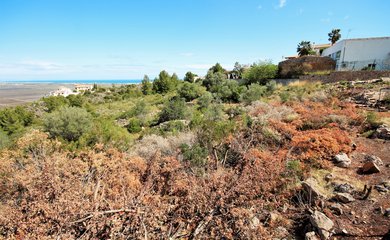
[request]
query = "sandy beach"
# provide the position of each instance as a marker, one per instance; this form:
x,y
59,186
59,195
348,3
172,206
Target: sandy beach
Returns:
x,y
12,94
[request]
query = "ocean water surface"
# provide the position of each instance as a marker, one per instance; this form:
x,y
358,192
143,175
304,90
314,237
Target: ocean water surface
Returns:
x,y
129,81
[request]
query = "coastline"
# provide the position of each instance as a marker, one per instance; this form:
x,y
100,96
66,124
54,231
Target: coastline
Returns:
x,y
14,93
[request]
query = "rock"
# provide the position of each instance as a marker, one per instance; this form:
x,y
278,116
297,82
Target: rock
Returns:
x,y
344,197
387,212
379,210
344,188
322,224
312,188
354,146
254,223
381,188
311,236
383,132
374,159
281,232
328,177
342,160
370,167
386,184
336,208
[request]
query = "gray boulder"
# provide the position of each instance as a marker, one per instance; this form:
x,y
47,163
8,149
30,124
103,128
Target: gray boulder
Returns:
x,y
342,160
312,189
322,224
344,197
374,159
311,236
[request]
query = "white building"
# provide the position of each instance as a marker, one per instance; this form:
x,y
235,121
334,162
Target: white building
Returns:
x,y
83,87
360,53
62,91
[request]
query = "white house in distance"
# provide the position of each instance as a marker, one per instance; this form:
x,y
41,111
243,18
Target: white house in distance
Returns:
x,y
360,53
62,91
83,87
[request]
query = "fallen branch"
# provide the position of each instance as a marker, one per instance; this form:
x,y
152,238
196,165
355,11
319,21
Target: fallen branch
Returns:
x,y
91,215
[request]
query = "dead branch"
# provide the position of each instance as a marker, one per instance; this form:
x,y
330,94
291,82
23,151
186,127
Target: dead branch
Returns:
x,y
91,215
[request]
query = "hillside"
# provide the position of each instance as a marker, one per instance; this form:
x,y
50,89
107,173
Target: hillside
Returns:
x,y
208,160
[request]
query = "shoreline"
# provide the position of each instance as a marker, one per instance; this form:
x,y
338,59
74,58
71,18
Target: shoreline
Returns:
x,y
18,93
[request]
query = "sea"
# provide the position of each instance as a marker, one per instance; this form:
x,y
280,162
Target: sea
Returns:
x,y
121,82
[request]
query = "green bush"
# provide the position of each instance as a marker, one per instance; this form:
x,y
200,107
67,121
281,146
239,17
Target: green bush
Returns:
x,y
53,103
205,100
146,86
13,120
69,123
174,109
196,155
4,139
227,91
107,132
165,83
134,126
213,79
190,91
76,100
253,93
260,73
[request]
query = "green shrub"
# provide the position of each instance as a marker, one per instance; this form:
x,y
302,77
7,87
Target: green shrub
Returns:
x,y
134,125
76,100
227,91
13,120
205,100
190,91
174,126
107,132
146,86
69,123
253,93
53,103
196,154
165,83
213,79
4,139
174,109
260,73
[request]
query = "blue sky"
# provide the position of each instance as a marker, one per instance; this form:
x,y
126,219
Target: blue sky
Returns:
x,y
124,39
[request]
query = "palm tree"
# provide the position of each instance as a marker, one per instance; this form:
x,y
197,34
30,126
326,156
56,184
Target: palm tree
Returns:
x,y
334,36
304,48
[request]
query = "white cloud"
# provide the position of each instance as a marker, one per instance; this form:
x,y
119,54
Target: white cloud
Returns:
x,y
282,3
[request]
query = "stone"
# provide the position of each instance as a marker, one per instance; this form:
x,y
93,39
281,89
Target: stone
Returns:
x,y
322,224
379,210
311,236
381,188
344,188
386,184
374,159
328,177
387,212
342,160
281,232
383,132
370,167
344,197
254,222
312,188
354,146
336,208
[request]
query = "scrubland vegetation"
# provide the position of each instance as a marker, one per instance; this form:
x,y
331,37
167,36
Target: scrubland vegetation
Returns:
x,y
166,159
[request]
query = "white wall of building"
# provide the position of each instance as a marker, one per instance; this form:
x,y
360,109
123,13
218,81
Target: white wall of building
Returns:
x,y
355,54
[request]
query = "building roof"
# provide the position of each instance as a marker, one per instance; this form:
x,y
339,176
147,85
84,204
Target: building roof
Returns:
x,y
360,39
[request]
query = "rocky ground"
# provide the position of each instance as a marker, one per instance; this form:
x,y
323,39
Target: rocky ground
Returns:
x,y
353,199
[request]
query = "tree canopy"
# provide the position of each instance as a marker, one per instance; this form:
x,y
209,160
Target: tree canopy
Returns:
x,y
334,36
